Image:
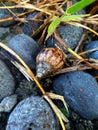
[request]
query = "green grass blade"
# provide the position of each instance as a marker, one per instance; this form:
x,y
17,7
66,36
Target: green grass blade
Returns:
x,y
72,17
53,25
78,6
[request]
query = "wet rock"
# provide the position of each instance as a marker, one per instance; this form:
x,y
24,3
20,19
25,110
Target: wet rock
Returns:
x,y
70,34
80,90
5,34
33,113
7,83
94,54
31,26
4,13
8,103
26,48
92,45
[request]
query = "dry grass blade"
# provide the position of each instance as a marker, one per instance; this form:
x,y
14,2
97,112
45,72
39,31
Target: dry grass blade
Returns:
x,y
27,6
25,69
58,97
29,75
59,114
83,26
88,51
64,45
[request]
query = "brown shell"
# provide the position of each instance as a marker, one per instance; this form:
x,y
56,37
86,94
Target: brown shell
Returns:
x,y
54,58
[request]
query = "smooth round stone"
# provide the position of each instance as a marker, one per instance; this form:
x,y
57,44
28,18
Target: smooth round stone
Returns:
x,y
32,113
92,45
7,83
26,48
4,14
8,103
80,90
5,34
31,26
69,34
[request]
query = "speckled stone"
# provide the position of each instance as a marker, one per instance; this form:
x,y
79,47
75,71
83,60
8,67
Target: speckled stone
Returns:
x,y
7,83
70,34
92,45
8,103
26,48
31,26
94,54
5,34
4,13
33,113
80,90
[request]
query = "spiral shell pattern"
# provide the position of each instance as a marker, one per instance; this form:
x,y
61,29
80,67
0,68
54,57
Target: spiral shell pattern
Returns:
x,y
49,60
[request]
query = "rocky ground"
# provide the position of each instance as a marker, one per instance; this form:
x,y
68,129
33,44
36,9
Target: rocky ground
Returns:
x,y
21,104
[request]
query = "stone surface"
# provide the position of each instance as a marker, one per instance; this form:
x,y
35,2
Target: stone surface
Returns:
x,y
5,34
80,90
26,48
8,103
31,25
7,83
94,54
70,34
33,113
4,13
92,45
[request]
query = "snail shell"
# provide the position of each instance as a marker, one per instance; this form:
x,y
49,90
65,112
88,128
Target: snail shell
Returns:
x,y
49,60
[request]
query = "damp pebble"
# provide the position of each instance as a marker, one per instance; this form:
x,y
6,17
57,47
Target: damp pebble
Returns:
x,y
69,34
5,34
5,13
80,90
31,25
32,113
8,103
92,45
7,83
26,48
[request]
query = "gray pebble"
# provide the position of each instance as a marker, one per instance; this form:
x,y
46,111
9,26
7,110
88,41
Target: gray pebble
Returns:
x,y
80,90
26,48
8,103
31,26
92,45
70,34
4,13
32,113
94,54
5,34
7,83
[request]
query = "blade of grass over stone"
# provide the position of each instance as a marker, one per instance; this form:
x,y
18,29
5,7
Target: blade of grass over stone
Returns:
x,y
72,17
58,38
25,69
31,75
63,18
83,26
53,25
58,113
78,6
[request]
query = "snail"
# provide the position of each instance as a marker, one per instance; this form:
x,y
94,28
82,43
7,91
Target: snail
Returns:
x,y
48,61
